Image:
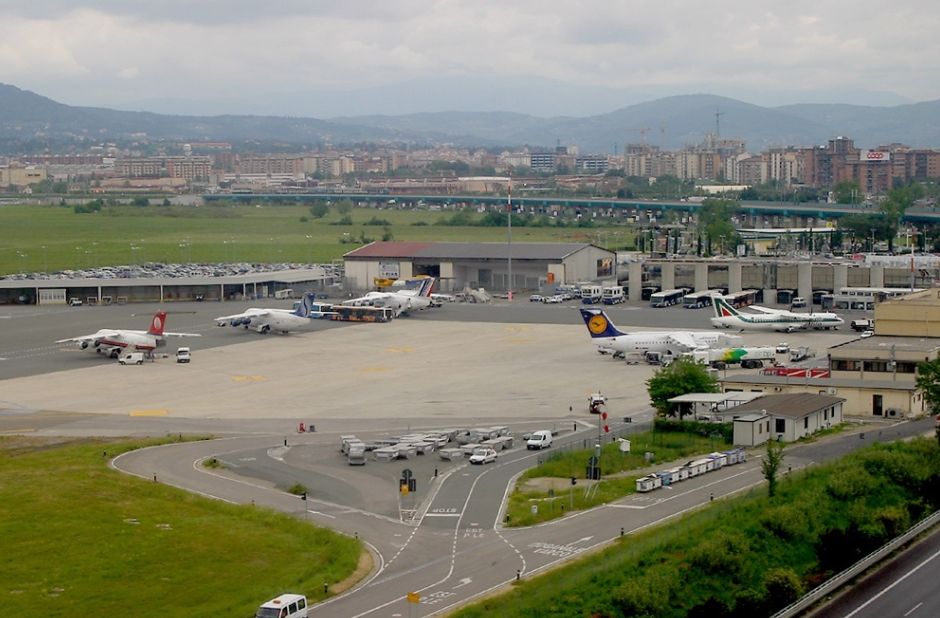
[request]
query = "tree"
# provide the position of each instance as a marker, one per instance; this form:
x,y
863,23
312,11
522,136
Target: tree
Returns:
x,y
895,205
344,207
682,377
319,210
928,382
714,221
847,192
771,465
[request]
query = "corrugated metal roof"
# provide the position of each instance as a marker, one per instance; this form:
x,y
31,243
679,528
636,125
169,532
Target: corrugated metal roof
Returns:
x,y
388,249
468,251
790,405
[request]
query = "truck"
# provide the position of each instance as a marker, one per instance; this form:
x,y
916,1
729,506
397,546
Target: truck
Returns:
x,y
747,357
863,324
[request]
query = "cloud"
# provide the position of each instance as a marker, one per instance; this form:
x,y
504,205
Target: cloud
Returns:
x,y
112,51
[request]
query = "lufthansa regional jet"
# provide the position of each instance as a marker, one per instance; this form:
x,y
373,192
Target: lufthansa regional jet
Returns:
x,y
112,341
608,338
767,319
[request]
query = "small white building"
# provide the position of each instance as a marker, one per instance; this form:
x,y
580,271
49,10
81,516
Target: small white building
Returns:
x,y
786,418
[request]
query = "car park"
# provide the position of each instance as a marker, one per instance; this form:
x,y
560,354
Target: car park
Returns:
x,y
483,456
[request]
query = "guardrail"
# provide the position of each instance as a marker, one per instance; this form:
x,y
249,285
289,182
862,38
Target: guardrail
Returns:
x,y
834,583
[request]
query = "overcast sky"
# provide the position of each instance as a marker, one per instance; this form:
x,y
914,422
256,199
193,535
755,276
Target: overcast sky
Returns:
x,y
113,52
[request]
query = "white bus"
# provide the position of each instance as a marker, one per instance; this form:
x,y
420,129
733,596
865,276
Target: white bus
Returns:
x,y
667,298
861,299
697,300
613,295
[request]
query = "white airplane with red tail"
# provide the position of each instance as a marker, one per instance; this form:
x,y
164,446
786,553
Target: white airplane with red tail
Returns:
x,y
112,341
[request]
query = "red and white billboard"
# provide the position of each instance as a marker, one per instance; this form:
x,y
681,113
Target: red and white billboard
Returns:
x,y
873,156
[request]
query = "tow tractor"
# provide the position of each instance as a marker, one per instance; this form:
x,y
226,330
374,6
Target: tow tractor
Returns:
x,y
596,403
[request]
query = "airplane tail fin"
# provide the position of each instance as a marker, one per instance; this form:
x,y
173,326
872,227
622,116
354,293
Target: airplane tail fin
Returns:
x,y
722,308
427,286
598,324
157,323
306,305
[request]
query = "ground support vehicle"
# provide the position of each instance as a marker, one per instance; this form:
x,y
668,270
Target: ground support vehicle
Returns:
x,y
748,357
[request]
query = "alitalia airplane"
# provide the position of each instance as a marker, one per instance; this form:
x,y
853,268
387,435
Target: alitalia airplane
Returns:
x,y
767,319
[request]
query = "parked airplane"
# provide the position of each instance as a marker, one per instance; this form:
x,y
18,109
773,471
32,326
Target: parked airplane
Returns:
x,y
416,295
727,316
277,320
113,341
671,343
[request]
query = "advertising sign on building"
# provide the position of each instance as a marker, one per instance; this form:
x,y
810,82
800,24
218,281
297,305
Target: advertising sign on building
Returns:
x,y
388,270
873,156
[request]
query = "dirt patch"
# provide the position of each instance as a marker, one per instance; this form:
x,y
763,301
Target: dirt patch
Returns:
x,y
543,484
366,563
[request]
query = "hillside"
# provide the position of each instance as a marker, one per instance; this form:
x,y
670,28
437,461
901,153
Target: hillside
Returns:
x,y
672,122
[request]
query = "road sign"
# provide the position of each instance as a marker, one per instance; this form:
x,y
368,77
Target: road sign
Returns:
x,y
406,474
414,597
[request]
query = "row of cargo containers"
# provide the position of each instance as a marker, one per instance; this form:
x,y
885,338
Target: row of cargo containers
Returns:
x,y
715,461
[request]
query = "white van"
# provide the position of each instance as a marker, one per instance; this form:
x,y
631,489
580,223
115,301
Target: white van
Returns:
x,y
284,606
183,355
134,358
539,440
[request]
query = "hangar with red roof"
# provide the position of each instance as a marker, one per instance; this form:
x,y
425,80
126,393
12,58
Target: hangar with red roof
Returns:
x,y
458,265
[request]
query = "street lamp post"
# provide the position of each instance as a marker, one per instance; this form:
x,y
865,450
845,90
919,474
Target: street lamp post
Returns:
x,y
309,238
45,263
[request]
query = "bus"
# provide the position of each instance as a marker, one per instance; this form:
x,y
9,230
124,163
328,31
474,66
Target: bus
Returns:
x,y
697,300
861,299
647,291
742,298
667,298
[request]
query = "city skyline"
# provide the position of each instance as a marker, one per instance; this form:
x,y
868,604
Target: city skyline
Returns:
x,y
537,58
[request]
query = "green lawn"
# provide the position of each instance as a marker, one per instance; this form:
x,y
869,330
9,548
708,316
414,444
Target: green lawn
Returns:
x,y
50,238
81,539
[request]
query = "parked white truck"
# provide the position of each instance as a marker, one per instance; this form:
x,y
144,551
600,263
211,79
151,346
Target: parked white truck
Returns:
x,y
747,357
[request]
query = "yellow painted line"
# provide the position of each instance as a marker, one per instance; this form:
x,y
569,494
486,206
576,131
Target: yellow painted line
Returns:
x,y
373,369
249,378
515,329
403,350
17,430
148,412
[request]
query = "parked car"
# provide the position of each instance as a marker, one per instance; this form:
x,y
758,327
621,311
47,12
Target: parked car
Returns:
x,y
552,300
799,301
134,358
536,298
483,456
783,348
866,333
183,355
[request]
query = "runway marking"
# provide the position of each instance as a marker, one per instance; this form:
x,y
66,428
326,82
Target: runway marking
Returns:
x,y
147,413
515,329
403,350
249,378
373,368
17,430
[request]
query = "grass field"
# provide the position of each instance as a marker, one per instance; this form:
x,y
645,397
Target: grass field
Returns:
x,y
81,539
50,238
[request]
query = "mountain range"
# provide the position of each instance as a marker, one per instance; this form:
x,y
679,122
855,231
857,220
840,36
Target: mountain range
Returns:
x,y
670,122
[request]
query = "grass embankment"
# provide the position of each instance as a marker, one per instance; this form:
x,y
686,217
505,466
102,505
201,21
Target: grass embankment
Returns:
x,y
81,539
548,486
50,238
748,556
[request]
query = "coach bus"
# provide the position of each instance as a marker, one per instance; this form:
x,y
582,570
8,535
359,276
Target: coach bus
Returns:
x,y
697,300
667,298
742,298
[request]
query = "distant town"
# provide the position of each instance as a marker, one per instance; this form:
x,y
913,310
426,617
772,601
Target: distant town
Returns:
x,y
799,174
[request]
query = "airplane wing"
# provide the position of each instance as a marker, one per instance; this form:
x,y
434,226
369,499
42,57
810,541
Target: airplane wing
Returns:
x,y
767,310
181,335
241,318
101,334
686,340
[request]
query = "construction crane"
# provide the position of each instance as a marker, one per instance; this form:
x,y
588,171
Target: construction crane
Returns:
x,y
642,131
